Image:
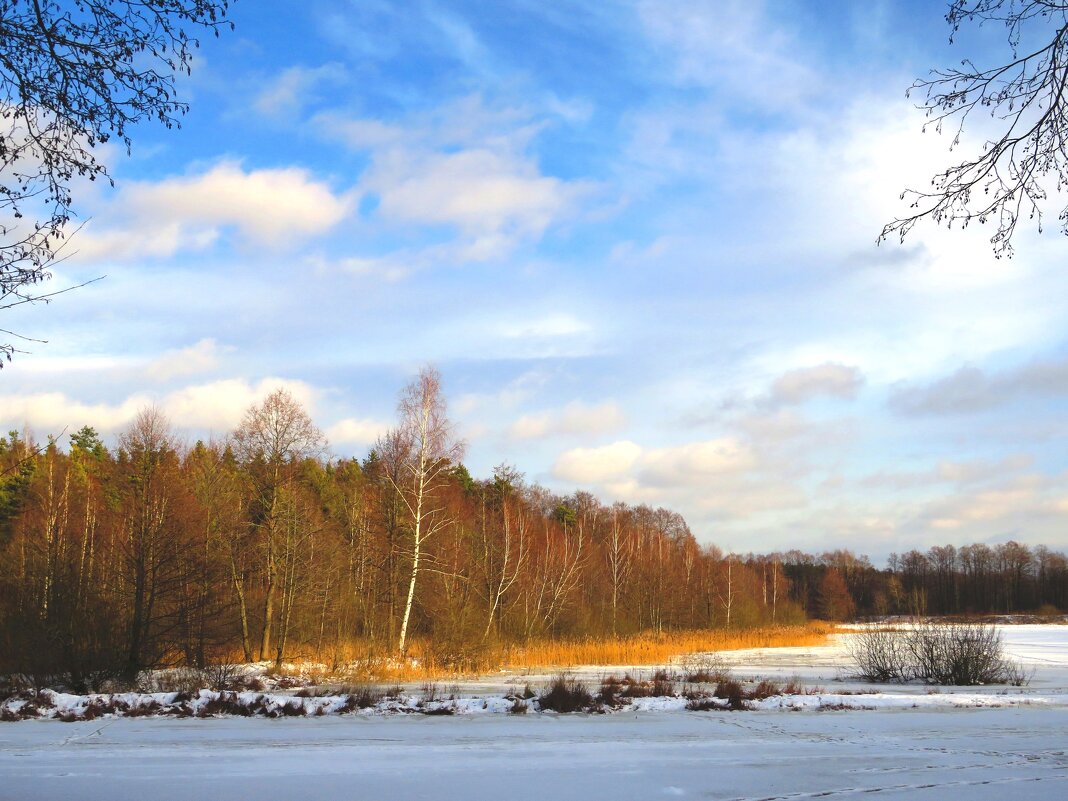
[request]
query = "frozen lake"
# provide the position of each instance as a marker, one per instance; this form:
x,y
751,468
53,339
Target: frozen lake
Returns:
x,y
934,752
974,754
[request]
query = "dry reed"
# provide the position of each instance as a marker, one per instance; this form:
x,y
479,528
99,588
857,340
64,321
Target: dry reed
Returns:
x,y
362,661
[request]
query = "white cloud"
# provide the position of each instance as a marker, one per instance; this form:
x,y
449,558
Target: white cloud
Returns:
x,y
1030,503
219,405
200,357
515,392
51,412
597,465
545,327
695,463
216,406
688,465
733,46
274,208
294,87
494,199
463,166
828,379
357,431
574,419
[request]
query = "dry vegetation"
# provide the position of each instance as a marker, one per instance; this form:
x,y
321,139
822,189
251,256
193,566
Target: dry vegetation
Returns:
x,y
937,653
645,649
652,649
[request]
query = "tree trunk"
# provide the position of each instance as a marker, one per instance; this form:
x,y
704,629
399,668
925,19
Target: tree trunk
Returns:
x,y
411,596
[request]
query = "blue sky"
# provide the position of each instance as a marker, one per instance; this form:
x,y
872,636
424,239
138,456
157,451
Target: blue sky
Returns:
x,y
637,238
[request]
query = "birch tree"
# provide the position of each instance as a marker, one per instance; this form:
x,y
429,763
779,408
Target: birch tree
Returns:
x,y
427,449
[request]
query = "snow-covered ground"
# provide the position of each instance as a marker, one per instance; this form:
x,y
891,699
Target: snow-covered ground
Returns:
x,y
904,742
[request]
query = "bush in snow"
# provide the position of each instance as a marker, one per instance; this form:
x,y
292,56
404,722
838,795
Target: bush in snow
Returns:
x,y
880,654
565,694
957,654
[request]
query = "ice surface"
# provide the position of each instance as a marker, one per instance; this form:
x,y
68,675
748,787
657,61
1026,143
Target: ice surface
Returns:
x,y
965,754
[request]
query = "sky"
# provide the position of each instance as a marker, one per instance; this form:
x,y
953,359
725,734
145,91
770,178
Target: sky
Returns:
x,y
637,238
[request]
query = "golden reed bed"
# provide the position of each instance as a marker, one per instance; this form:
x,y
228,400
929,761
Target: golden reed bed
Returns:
x,y
426,662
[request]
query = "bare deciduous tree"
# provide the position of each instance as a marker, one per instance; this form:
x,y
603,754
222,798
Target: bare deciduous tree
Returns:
x,y
272,437
1014,172
74,76
427,449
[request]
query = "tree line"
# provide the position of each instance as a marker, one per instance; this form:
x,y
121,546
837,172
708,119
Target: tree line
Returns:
x,y
260,547
976,579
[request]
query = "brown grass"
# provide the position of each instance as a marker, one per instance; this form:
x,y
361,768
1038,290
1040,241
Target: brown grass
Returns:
x,y
642,649
368,662
656,649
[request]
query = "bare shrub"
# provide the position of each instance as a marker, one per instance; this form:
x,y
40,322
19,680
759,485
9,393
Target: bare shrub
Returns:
x,y
518,707
793,687
703,704
12,685
705,669
253,683
765,689
104,705
224,704
565,694
880,654
180,679
953,654
609,695
223,676
430,693
733,693
366,697
292,709
662,685
615,692
144,709
962,654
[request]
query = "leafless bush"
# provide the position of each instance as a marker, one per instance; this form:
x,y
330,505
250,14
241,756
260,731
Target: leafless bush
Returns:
x,y
565,694
290,709
144,709
614,692
793,687
962,654
955,654
609,695
703,704
180,679
705,668
662,685
11,685
733,693
880,654
764,689
518,707
223,676
104,705
225,704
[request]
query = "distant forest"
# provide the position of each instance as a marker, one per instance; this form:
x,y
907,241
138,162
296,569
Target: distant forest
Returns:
x,y
259,547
